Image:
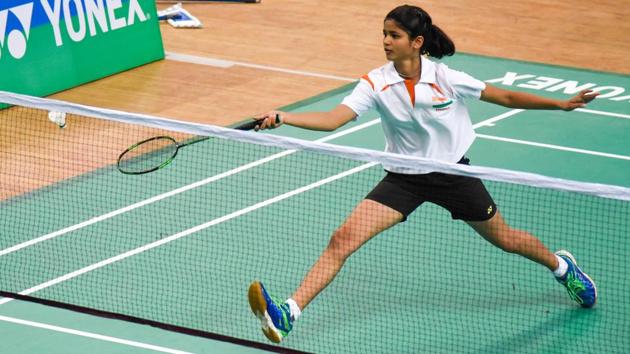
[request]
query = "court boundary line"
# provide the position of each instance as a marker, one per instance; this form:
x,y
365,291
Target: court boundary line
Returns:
x,y
91,335
161,325
603,113
553,147
221,63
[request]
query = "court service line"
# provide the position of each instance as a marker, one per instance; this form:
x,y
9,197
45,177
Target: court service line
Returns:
x,y
192,230
220,63
175,191
553,147
91,335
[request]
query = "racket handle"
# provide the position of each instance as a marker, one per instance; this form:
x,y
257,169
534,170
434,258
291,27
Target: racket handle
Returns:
x,y
251,125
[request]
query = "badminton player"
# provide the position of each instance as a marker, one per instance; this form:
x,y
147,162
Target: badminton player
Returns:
x,y
421,104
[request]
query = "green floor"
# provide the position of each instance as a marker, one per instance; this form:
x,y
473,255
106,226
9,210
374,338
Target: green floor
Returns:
x,y
428,285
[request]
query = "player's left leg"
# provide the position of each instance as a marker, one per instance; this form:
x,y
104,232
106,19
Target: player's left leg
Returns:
x,y
579,285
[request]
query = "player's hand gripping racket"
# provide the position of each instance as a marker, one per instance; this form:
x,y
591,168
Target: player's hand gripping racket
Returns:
x,y
159,151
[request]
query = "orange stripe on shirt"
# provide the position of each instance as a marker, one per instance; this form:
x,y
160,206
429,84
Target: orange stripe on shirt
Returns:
x,y
367,78
410,84
437,88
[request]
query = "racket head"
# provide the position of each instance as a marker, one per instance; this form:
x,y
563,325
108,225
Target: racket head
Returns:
x,y
147,155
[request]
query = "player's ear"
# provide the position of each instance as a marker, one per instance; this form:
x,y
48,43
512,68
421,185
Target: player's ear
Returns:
x,y
417,42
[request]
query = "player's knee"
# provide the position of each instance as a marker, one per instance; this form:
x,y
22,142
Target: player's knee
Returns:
x,y
339,244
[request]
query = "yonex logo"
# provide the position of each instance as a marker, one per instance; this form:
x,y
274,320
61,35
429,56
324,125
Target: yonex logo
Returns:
x,y
92,16
82,18
16,39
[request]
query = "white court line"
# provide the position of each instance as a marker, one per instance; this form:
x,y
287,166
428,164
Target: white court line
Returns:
x,y
220,63
490,122
141,203
175,192
554,147
192,230
602,113
91,335
193,59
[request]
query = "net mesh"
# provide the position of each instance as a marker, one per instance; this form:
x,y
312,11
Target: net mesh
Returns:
x,y
181,245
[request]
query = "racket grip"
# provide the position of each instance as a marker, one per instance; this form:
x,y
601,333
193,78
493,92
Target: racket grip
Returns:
x,y
251,125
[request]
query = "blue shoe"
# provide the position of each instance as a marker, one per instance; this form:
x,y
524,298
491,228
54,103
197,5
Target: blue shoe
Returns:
x,y
580,286
275,317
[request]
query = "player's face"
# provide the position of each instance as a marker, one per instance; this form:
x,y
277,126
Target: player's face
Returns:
x,y
397,44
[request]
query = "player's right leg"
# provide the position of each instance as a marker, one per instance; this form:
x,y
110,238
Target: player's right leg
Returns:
x,y
367,220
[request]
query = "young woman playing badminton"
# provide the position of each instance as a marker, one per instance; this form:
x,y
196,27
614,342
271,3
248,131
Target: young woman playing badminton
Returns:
x,y
423,114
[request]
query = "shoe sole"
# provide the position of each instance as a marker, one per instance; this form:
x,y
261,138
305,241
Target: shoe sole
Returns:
x,y
259,308
570,256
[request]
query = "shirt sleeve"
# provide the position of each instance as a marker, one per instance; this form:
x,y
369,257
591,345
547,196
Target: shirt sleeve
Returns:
x,y
463,85
361,99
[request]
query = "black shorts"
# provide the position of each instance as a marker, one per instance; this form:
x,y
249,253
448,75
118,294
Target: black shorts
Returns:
x,y
465,197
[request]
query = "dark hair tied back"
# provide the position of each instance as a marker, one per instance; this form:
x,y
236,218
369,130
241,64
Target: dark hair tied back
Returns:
x,y
438,43
417,22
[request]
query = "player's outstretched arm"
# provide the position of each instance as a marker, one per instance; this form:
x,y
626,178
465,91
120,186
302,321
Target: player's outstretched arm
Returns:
x,y
522,100
326,121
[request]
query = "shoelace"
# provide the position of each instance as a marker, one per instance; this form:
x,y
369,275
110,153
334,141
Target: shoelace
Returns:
x,y
574,285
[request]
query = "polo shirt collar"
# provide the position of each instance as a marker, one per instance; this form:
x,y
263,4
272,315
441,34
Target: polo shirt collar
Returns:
x,y
391,75
427,74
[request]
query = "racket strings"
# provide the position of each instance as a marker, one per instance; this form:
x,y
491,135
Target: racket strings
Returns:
x,y
148,155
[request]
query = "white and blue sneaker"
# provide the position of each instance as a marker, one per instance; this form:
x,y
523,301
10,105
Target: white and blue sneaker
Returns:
x,y
580,286
274,316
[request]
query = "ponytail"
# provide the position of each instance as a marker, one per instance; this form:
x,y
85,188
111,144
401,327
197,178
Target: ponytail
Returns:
x,y
417,22
437,44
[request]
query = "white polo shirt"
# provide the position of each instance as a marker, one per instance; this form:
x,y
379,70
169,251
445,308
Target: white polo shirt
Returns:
x,y
428,119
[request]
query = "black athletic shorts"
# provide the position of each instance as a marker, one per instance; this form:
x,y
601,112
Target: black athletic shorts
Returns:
x,y
465,197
